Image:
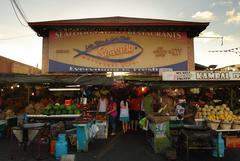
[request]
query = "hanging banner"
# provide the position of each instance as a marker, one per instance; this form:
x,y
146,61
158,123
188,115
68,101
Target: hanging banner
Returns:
x,y
78,51
200,76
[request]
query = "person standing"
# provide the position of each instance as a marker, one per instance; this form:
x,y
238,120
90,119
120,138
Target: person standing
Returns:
x,y
112,112
124,115
135,107
147,103
155,101
102,104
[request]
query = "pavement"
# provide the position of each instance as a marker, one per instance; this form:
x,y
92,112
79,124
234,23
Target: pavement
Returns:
x,y
122,147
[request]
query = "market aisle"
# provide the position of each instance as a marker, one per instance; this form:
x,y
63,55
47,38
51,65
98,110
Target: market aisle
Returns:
x,y
129,147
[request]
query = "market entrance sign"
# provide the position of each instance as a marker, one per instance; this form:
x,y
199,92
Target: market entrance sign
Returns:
x,y
79,51
200,76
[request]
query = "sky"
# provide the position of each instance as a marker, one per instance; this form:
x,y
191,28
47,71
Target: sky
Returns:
x,y
20,42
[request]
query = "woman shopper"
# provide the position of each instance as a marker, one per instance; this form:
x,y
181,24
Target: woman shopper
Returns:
x,y
124,115
112,112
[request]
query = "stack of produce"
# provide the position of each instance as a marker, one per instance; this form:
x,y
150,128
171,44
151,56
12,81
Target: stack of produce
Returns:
x,y
222,113
34,108
9,113
58,109
218,115
101,117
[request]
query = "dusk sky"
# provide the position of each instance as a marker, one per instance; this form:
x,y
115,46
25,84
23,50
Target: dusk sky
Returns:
x,y
20,42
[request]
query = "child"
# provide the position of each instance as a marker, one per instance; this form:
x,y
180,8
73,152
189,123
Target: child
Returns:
x,y
124,115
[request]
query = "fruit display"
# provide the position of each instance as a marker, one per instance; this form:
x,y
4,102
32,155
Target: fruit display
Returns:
x,y
58,109
9,113
101,117
212,113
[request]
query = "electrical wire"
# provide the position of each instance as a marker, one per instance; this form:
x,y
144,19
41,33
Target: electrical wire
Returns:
x,y
16,14
20,10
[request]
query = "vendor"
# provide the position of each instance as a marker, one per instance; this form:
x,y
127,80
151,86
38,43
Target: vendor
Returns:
x,y
184,111
102,104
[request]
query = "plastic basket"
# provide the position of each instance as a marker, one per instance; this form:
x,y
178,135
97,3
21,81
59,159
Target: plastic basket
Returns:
x,y
236,125
226,125
213,124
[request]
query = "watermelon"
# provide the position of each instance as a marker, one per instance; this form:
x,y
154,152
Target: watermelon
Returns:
x,y
56,107
49,107
61,107
64,111
70,111
45,112
51,112
77,111
68,107
74,107
58,112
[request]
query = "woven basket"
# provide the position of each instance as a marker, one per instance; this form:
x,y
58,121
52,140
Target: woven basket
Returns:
x,y
213,124
236,125
226,125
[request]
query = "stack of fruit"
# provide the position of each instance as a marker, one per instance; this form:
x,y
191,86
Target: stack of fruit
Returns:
x,y
58,109
218,115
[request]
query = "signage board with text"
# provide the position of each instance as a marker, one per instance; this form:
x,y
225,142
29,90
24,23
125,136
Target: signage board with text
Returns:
x,y
78,51
200,76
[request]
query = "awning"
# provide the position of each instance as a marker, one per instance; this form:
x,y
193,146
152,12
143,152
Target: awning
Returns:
x,y
56,79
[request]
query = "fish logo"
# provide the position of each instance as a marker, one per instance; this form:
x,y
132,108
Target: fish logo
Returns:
x,y
115,50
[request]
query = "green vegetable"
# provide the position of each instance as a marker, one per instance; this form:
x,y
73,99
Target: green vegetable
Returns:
x,y
58,112
68,107
61,107
64,111
74,107
77,111
51,112
70,111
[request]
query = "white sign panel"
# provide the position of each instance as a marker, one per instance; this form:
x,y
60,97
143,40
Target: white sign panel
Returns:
x,y
200,76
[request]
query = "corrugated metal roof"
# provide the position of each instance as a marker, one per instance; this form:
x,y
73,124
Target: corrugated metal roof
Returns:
x,y
121,23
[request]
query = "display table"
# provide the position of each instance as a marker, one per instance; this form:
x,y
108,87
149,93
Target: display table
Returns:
x,y
193,139
158,133
3,125
54,116
27,132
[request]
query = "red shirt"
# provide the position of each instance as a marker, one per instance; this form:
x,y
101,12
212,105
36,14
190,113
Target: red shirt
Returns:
x,y
135,104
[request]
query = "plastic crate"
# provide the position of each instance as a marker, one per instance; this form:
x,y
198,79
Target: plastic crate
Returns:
x,y
103,130
232,142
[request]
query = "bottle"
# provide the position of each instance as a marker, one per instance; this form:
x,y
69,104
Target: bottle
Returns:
x,y
221,146
61,146
25,118
218,143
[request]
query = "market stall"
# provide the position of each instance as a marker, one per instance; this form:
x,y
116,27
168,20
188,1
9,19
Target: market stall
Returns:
x,y
216,124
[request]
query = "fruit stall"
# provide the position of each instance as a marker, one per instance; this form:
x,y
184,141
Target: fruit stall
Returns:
x,y
216,124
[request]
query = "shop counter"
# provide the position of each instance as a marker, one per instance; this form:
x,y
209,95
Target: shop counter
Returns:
x,y
3,125
54,116
158,133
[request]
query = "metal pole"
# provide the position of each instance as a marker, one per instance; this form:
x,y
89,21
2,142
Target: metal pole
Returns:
x,y
28,93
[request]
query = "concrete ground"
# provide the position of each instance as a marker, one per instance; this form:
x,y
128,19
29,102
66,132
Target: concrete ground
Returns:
x,y
122,147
